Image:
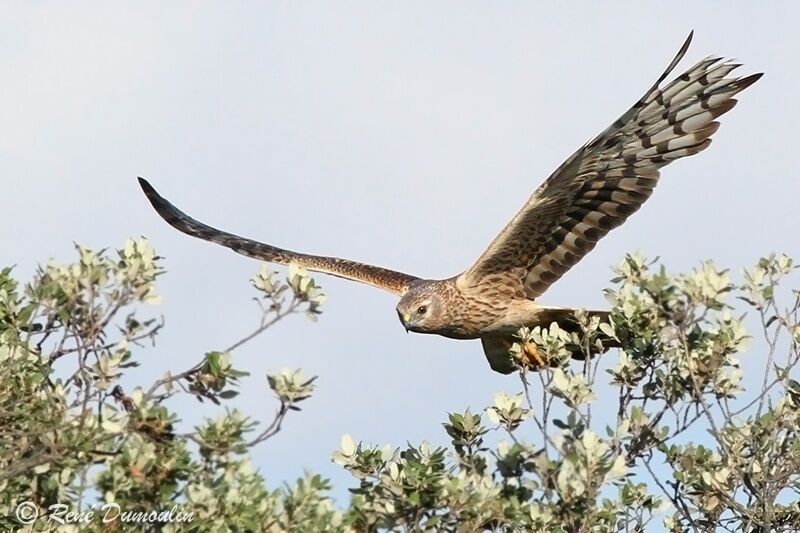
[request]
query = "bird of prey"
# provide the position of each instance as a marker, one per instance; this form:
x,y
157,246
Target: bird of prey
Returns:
x,y
595,190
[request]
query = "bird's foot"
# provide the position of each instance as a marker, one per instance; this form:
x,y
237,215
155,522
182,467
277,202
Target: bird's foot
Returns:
x,y
530,355
533,356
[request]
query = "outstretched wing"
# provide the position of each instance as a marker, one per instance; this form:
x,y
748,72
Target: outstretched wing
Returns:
x,y
605,181
389,280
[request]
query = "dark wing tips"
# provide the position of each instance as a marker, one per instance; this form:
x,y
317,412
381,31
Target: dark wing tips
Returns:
x,y
146,187
686,44
677,59
171,214
158,202
743,83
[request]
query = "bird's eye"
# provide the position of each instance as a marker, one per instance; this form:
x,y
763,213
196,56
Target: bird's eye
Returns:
x,y
422,310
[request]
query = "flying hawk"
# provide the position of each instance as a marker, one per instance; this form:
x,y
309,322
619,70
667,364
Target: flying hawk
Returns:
x,y
595,190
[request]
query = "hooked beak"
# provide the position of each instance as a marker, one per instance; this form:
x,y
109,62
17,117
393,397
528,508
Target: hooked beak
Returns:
x,y
405,319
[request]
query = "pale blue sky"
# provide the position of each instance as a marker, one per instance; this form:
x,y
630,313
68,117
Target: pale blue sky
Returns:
x,y
403,134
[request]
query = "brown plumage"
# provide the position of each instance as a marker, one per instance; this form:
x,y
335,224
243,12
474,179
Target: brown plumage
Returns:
x,y
595,190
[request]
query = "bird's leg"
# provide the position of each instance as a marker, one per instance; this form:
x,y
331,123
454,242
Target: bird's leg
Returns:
x,y
534,356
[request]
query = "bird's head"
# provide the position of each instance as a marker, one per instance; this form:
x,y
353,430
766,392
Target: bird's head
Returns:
x,y
421,308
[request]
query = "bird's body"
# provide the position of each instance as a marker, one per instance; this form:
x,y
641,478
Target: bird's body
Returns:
x,y
593,191
466,317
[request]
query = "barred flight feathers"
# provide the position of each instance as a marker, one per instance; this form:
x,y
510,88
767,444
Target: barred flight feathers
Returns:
x,y
593,191
382,278
609,178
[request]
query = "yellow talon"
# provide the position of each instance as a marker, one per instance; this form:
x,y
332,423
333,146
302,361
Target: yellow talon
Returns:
x,y
534,356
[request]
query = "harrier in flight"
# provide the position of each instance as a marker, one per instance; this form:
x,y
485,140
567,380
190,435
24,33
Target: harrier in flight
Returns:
x,y
595,190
